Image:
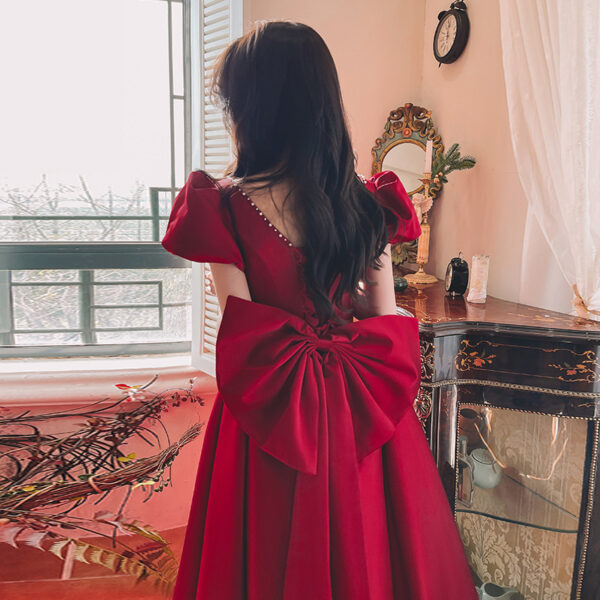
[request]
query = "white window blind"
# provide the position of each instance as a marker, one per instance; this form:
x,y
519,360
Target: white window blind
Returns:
x,y
220,23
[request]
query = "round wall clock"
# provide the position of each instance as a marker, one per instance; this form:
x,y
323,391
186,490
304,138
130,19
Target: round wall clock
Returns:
x,y
451,34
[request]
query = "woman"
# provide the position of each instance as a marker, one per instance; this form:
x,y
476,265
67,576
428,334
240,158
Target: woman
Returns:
x,y
315,480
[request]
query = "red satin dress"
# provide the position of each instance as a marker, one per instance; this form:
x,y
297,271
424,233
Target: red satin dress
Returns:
x,y
315,480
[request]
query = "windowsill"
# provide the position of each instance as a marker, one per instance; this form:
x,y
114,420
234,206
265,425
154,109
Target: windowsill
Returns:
x,y
60,381
69,365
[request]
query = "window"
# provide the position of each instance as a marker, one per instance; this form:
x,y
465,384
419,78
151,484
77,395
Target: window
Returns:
x,y
98,137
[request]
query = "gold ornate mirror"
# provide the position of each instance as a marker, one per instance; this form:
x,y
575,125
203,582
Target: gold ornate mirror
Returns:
x,y
401,149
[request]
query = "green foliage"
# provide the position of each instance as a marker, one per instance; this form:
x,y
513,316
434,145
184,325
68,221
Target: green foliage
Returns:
x,y
451,161
404,252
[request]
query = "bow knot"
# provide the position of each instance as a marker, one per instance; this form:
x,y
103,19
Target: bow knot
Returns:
x,y
323,343
326,340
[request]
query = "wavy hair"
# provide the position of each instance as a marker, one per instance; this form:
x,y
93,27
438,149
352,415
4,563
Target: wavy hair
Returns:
x,y
280,94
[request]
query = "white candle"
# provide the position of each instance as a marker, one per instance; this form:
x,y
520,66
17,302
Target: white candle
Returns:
x,y
428,155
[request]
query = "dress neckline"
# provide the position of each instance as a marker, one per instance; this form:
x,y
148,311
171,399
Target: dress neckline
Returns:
x,y
278,233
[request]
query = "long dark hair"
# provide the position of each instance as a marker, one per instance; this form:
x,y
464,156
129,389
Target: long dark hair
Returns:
x,y
280,93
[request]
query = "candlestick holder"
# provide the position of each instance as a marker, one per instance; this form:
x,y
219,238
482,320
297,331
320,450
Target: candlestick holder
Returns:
x,y
421,276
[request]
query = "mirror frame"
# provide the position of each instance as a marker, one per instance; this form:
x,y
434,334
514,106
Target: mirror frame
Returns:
x,y
408,124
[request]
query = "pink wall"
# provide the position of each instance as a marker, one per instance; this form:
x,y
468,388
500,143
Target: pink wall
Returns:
x,y
481,210
384,56
377,50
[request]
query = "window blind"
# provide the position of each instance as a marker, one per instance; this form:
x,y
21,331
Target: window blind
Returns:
x,y
220,24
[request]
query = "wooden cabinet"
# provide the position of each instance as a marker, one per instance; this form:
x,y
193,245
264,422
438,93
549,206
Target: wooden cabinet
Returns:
x,y
510,404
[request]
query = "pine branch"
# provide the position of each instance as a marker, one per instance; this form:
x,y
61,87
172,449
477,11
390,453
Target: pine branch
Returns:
x,y
451,161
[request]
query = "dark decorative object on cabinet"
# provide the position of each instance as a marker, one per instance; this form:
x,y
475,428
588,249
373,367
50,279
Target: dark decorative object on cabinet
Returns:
x,y
457,276
513,388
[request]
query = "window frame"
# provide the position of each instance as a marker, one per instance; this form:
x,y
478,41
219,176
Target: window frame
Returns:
x,y
81,256
84,256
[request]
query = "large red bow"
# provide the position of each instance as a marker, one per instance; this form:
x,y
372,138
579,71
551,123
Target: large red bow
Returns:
x,y
274,371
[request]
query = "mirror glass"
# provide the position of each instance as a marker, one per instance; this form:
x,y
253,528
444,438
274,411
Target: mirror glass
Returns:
x,y
407,160
519,486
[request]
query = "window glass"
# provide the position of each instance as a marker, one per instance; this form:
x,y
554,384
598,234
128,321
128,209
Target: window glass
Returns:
x,y
93,150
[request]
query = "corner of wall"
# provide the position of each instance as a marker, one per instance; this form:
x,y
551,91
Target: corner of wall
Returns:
x,y
420,12
246,15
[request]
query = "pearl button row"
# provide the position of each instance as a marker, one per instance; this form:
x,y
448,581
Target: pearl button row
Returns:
x,y
265,218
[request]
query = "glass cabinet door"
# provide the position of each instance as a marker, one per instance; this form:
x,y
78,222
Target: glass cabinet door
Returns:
x,y
519,482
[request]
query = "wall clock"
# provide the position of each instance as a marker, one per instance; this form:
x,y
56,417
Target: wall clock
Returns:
x,y
451,34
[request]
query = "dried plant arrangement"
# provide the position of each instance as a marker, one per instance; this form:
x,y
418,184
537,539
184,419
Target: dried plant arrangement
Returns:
x,y
45,476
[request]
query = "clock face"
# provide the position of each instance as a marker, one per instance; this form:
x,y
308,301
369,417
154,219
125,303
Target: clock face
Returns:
x,y
451,34
448,277
446,34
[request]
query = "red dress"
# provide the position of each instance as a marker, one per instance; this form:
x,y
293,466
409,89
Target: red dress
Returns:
x,y
315,480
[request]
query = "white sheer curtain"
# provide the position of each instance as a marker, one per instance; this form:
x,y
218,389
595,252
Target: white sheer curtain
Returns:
x,y
551,55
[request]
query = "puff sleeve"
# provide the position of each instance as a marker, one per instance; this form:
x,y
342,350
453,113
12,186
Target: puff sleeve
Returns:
x,y
401,218
200,227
